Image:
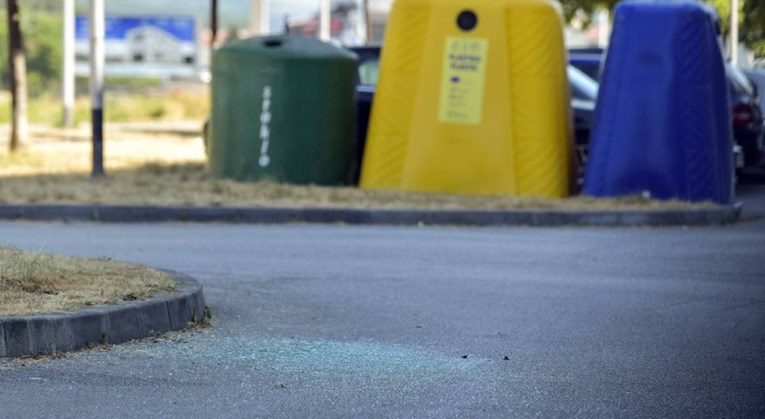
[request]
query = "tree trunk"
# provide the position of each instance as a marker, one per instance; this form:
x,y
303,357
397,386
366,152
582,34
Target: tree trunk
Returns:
x,y
18,77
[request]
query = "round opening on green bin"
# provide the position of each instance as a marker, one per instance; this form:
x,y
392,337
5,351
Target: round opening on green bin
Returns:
x,y
273,42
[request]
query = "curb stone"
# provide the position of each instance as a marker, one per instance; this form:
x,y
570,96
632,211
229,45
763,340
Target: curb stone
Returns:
x,y
16,336
400,217
2,340
46,334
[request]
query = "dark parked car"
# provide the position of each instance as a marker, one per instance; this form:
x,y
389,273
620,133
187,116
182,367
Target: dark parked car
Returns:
x,y
757,77
587,60
584,92
369,67
748,129
589,63
584,95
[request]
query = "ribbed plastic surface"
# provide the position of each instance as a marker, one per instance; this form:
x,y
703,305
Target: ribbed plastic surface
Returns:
x,y
477,111
662,123
283,109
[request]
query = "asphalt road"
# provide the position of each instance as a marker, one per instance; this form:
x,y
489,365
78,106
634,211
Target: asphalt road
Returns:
x,y
339,321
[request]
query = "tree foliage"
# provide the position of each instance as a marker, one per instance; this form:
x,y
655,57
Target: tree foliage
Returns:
x,y
587,8
751,17
753,33
43,47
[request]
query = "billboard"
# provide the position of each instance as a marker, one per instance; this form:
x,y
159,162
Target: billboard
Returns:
x,y
142,45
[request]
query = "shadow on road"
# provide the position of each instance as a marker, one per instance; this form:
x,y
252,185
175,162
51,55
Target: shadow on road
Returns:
x,y
751,191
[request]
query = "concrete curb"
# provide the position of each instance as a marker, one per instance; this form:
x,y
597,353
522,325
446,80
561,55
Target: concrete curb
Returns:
x,y
542,218
115,323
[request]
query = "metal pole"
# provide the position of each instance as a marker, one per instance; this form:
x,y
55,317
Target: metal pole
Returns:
x,y
67,93
96,24
604,29
734,32
325,17
265,16
256,17
367,22
260,23
213,27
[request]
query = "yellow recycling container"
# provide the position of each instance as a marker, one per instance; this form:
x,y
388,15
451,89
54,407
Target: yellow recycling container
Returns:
x,y
473,98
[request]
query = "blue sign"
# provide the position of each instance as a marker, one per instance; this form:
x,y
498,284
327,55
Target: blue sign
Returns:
x,y
117,28
142,45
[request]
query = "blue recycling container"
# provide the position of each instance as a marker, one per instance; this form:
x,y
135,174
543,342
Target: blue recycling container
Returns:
x,y
662,123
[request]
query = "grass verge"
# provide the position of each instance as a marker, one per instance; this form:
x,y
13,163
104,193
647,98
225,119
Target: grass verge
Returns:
x,y
42,283
174,104
169,170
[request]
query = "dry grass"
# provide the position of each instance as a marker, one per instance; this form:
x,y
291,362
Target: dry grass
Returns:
x,y
164,169
189,102
41,283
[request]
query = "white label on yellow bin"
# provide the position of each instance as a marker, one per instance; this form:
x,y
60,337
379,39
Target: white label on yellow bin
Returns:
x,y
462,80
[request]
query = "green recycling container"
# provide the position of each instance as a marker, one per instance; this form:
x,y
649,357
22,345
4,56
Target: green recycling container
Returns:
x,y
283,109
